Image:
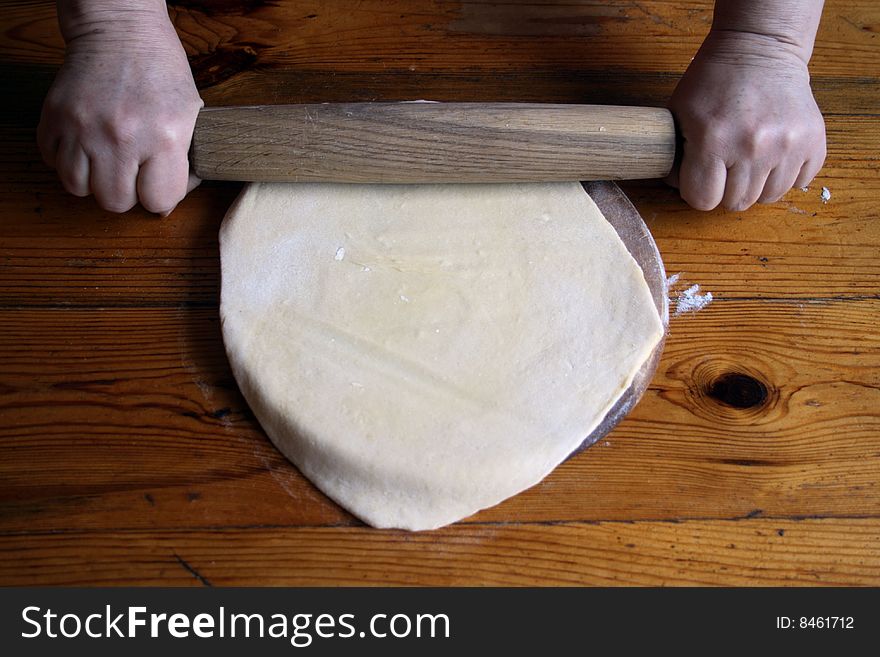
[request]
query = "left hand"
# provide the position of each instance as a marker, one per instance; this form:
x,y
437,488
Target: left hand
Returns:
x,y
751,127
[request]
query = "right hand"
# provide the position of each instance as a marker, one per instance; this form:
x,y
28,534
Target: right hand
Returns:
x,y
119,117
751,127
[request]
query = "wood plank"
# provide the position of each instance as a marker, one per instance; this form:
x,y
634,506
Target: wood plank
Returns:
x,y
114,411
756,552
757,407
799,247
26,85
377,35
65,251
835,95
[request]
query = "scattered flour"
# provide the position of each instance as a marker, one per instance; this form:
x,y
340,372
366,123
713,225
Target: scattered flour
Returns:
x,y
826,195
690,300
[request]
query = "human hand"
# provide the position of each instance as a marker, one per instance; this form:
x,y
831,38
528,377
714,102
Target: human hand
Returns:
x,y
118,119
751,127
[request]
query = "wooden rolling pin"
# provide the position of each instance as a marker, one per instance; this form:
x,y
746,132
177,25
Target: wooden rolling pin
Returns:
x,y
420,142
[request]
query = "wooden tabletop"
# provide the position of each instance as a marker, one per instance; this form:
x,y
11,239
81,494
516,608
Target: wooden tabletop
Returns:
x,y
128,456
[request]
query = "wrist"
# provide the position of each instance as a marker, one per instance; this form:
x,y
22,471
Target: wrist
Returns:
x,y
750,49
110,19
777,26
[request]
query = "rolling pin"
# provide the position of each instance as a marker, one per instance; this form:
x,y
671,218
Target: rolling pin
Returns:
x,y
421,142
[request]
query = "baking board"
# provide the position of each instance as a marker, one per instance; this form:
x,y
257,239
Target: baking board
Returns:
x,y
631,229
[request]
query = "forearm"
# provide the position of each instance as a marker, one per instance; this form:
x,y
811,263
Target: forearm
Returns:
x,y
108,18
790,25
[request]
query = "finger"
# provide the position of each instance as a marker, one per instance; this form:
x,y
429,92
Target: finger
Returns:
x,y
809,171
162,182
73,167
780,180
701,180
114,183
193,182
814,163
744,186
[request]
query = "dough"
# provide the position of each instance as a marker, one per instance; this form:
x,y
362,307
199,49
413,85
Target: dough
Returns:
x,y
422,352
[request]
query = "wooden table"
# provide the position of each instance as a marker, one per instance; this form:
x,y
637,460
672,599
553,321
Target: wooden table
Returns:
x,y
127,455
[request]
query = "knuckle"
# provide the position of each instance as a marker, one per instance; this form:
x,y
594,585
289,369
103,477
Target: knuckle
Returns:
x,y
55,104
67,115
121,130
78,118
60,115
714,141
128,132
170,137
754,143
789,138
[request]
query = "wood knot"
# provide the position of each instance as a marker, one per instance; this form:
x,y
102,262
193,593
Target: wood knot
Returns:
x,y
731,392
738,390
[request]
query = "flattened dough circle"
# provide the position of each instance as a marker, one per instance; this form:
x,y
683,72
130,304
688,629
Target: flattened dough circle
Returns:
x,y
423,352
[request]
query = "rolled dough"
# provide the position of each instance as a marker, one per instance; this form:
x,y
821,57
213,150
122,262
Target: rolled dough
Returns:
x,y
422,352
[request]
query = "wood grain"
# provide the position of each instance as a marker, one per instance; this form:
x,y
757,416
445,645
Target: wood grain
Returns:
x,y
65,252
432,143
137,409
224,39
763,552
127,455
